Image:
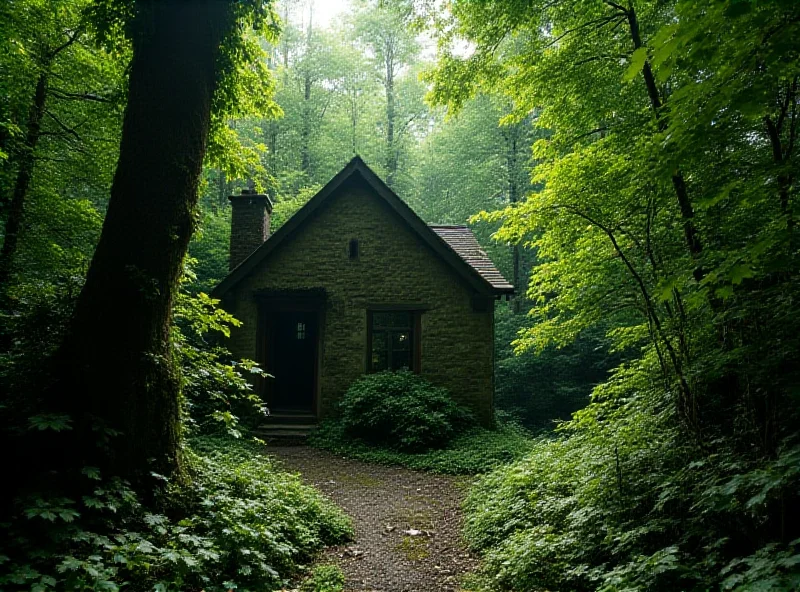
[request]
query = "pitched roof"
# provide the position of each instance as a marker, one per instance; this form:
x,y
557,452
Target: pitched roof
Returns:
x,y
463,242
478,271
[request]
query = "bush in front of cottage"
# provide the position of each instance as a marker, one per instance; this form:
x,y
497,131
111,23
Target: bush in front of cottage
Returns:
x,y
401,410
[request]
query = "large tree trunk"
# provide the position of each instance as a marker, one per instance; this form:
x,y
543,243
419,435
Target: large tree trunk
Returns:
x,y
117,361
24,175
305,145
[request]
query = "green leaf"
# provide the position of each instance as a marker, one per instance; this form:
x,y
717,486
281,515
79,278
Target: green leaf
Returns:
x,y
638,58
49,421
665,289
740,272
91,472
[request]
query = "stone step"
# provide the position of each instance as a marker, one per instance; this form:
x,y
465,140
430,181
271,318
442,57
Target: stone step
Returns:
x,y
285,433
290,418
291,427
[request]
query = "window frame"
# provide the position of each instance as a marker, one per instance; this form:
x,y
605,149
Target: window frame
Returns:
x,y
415,329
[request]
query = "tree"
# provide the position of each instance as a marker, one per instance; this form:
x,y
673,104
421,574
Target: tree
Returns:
x,y
62,91
116,362
385,32
662,212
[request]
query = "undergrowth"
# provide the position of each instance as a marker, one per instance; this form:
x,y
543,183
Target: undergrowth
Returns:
x,y
623,500
241,524
324,578
477,450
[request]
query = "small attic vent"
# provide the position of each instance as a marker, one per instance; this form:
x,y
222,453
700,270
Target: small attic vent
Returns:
x,y
352,249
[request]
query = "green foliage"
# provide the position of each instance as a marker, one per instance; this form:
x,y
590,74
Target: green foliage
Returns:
x,y
287,207
401,410
209,249
604,507
74,149
324,578
216,391
662,214
546,388
241,525
476,450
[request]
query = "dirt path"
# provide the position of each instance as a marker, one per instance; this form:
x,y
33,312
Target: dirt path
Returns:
x,y
407,523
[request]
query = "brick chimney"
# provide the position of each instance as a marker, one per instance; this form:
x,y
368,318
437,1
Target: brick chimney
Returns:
x,y
249,224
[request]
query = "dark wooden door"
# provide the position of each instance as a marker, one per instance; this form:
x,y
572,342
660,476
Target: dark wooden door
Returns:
x,y
293,362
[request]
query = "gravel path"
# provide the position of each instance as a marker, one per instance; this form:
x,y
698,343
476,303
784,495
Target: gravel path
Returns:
x,y
407,523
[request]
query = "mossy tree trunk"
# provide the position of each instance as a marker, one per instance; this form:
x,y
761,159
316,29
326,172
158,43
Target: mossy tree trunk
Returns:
x,y
116,362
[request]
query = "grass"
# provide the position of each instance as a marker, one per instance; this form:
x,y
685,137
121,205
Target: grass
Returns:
x,y
478,450
324,578
415,548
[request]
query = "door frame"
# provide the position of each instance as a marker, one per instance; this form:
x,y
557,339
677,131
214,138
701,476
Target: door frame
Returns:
x,y
270,304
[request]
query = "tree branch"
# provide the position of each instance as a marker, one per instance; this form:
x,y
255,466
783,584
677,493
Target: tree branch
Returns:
x,y
70,40
601,57
600,22
596,130
66,129
619,7
88,96
688,406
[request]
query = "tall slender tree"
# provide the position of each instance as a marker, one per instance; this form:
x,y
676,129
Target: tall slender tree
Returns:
x,y
50,38
387,34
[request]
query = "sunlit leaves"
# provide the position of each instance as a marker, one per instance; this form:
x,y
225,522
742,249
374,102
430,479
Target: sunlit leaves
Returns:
x,y
638,58
710,331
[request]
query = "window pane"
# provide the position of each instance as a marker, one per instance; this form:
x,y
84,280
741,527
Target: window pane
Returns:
x,y
400,320
301,330
379,357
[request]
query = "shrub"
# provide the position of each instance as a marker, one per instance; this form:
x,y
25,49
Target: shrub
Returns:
x,y
217,392
402,411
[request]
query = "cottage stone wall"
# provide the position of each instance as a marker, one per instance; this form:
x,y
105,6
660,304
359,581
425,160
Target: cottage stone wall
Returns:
x,y
393,267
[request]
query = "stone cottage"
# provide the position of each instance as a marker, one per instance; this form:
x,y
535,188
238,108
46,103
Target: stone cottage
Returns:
x,y
356,282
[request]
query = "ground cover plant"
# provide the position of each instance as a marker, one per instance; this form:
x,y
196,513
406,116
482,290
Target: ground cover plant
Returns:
x,y
324,578
242,524
234,521
475,450
603,507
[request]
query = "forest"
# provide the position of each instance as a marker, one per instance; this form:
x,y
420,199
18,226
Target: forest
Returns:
x,y
630,166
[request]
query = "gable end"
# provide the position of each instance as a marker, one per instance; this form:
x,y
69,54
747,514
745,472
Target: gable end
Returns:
x,y
485,279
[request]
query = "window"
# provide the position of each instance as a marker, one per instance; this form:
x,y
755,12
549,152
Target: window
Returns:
x,y
352,249
392,340
301,331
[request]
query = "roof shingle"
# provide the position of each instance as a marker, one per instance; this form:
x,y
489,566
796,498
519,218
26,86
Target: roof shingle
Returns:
x,y
464,243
